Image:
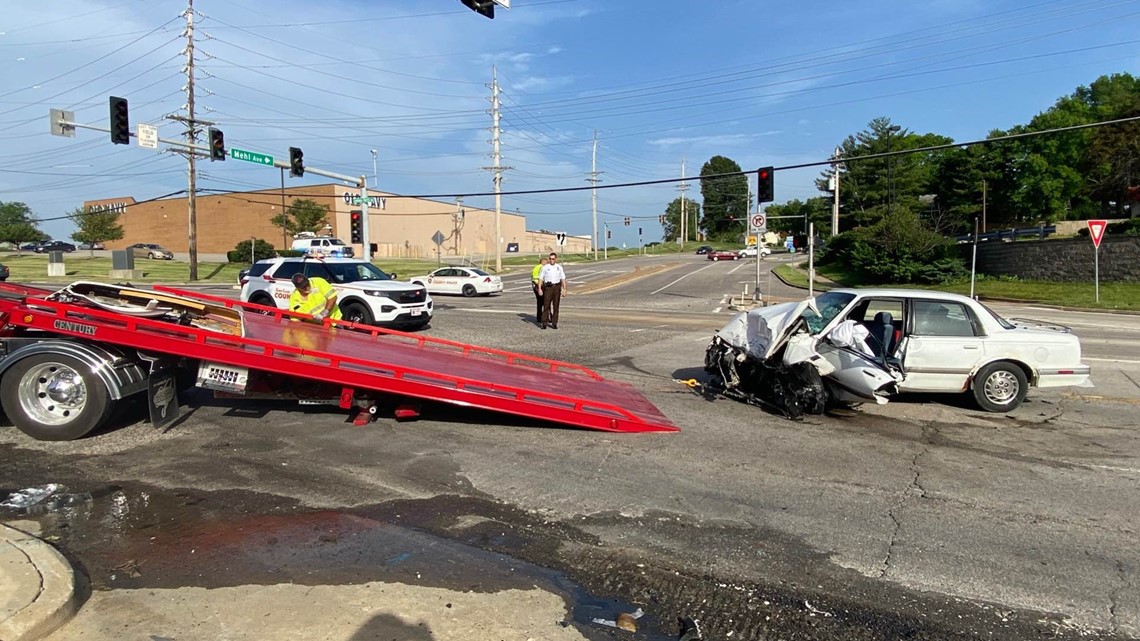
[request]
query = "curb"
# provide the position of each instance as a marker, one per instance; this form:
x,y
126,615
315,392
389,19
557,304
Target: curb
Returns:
x,y
43,589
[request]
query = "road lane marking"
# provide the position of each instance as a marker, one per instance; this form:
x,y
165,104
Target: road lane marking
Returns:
x,y
1111,360
679,280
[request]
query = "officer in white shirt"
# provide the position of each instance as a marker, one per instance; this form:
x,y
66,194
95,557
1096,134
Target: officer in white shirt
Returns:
x,y
552,284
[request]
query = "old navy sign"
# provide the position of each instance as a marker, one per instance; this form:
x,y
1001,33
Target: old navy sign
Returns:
x,y
375,202
115,207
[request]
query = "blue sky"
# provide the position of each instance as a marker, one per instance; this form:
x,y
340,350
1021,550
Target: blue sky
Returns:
x,y
762,82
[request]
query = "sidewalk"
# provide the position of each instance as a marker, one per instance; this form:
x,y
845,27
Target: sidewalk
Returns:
x,y
37,585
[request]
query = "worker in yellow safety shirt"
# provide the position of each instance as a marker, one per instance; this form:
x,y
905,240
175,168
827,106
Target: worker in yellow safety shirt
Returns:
x,y
314,296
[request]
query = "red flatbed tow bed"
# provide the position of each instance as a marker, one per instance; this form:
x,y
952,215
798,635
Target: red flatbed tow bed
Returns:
x,y
355,357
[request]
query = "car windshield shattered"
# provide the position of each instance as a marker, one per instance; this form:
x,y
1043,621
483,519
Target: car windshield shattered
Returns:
x,y
356,272
829,306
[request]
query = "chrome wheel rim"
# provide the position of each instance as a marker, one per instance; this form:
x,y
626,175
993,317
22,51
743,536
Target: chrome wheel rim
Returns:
x,y
53,394
1002,387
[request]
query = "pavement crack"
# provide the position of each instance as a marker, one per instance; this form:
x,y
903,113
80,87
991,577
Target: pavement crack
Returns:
x,y
1114,596
929,432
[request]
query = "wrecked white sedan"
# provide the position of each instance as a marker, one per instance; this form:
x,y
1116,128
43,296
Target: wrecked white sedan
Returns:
x,y
863,345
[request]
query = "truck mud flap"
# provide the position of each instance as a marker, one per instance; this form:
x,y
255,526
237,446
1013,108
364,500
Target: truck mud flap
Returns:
x,y
162,399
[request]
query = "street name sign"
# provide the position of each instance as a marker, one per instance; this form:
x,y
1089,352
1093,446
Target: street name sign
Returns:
x,y
251,156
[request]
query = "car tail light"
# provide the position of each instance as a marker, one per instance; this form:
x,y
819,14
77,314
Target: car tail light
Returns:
x,y
487,279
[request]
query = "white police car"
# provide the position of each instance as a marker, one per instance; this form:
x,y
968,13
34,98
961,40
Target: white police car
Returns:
x,y
366,294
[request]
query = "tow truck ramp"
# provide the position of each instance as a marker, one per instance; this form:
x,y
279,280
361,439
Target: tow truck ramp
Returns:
x,y
230,343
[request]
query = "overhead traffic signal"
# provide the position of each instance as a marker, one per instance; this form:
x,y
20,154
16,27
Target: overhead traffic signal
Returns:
x,y
120,122
608,233
627,222
296,162
661,219
765,185
638,231
217,144
356,226
481,7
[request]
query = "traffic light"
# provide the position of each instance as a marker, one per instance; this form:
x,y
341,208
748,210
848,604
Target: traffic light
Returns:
x,y
297,163
608,234
120,122
661,219
627,222
481,7
217,144
638,231
765,185
356,226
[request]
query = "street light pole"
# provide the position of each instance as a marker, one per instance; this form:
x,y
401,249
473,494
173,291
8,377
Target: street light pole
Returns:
x,y
375,181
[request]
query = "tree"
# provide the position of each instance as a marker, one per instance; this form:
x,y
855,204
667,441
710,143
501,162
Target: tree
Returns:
x,y
726,199
96,226
793,216
17,225
302,215
671,230
869,188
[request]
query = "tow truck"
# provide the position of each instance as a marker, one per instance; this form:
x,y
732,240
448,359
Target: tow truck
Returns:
x,y
70,357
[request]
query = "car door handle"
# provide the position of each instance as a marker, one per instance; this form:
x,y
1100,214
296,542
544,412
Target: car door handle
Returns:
x,y
971,347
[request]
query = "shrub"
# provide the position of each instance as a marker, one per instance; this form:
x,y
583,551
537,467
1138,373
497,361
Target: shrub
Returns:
x,y
241,253
898,249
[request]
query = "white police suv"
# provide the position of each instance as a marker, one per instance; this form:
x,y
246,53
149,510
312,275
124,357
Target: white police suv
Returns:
x,y
366,294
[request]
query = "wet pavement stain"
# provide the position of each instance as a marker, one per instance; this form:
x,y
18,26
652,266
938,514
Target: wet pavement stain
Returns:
x,y
140,537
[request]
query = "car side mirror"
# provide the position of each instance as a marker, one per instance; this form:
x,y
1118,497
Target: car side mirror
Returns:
x,y
394,276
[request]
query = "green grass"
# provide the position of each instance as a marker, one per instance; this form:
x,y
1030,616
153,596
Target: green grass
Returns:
x,y
80,266
1113,295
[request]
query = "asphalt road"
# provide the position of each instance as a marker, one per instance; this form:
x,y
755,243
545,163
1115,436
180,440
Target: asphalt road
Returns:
x,y
923,518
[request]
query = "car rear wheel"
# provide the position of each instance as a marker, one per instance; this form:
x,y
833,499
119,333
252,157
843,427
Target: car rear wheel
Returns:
x,y
1000,387
469,290
356,313
150,255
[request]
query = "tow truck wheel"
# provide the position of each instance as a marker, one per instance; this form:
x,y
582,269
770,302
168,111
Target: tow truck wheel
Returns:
x,y
53,397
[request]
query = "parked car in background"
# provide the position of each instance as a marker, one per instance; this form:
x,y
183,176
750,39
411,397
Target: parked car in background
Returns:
x,y
365,293
324,245
53,246
704,249
751,251
468,281
30,246
151,251
4,272
91,246
723,254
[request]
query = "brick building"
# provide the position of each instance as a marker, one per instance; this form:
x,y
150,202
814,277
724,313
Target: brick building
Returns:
x,y
400,226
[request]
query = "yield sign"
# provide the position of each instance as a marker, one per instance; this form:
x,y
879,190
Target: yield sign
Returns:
x,y
1096,231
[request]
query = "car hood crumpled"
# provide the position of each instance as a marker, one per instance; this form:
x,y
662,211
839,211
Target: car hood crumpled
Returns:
x,y
761,331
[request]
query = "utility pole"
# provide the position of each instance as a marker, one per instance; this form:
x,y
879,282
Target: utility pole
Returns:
x,y
191,138
682,187
593,180
835,190
983,205
497,168
284,216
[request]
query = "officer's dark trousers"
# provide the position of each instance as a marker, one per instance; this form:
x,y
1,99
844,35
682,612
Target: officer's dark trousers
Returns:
x,y
537,303
551,296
